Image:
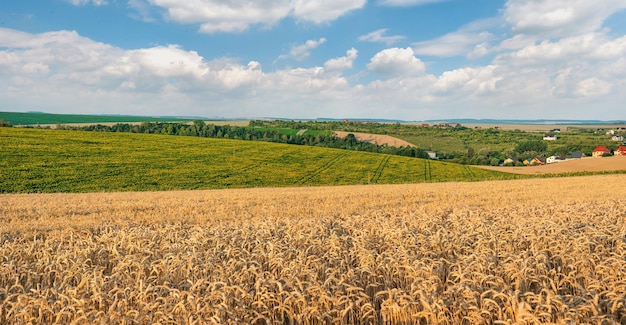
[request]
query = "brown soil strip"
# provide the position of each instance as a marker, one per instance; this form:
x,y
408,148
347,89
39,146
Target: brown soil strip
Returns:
x,y
614,163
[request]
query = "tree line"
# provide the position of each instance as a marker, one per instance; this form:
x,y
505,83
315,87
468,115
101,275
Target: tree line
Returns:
x,y
253,133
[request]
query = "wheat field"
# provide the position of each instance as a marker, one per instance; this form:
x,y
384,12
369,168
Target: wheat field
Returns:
x,y
497,252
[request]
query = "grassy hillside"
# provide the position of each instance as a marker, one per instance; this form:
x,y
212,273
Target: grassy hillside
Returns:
x,y
35,160
45,118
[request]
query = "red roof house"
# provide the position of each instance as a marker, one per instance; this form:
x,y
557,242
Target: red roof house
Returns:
x,y
599,151
620,151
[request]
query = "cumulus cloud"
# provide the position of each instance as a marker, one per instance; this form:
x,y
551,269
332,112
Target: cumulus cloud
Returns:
x,y
64,71
300,52
589,46
395,62
238,15
378,36
557,18
322,11
342,63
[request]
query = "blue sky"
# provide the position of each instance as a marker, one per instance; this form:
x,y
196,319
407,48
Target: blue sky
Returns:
x,y
395,59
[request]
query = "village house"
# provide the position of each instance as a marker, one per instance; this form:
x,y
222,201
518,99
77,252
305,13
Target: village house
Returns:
x,y
555,130
432,155
620,151
533,161
554,159
617,138
575,155
549,137
510,161
600,151
610,132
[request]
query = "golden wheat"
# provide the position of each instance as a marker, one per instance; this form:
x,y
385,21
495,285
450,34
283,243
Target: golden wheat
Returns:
x,y
527,251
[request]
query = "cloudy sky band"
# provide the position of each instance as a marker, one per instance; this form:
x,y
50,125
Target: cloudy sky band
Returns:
x,y
530,59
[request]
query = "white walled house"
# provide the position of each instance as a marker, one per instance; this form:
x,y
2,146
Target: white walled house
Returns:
x,y
554,159
549,137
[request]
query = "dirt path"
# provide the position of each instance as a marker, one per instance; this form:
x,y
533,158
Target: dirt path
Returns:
x,y
378,139
569,166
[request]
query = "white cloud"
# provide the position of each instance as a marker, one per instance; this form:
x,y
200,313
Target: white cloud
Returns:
x,y
396,62
303,51
471,40
342,63
592,87
84,2
556,18
406,3
321,11
238,15
378,36
65,72
589,46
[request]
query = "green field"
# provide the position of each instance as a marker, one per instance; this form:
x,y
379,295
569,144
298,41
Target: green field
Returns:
x,y
36,160
46,118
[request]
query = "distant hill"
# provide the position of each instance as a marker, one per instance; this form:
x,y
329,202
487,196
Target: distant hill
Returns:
x,y
538,121
34,118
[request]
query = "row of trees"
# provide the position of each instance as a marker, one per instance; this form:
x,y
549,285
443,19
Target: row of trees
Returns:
x,y
201,129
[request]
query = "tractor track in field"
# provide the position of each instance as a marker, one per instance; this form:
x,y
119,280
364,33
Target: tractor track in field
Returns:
x,y
379,169
469,171
308,177
428,174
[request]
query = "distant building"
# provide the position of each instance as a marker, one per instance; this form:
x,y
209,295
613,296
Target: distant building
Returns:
x,y
575,155
533,161
432,155
617,138
510,161
554,159
620,151
600,151
549,137
557,130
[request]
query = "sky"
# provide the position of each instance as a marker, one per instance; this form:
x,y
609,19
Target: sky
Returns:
x,y
411,60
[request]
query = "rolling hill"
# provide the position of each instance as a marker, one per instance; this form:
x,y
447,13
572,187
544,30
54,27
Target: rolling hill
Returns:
x,y
35,160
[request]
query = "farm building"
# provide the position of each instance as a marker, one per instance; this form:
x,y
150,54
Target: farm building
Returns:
x,y
549,137
432,155
620,151
575,155
553,159
533,161
599,151
510,161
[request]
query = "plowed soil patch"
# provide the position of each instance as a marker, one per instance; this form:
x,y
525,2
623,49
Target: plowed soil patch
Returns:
x,y
378,139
